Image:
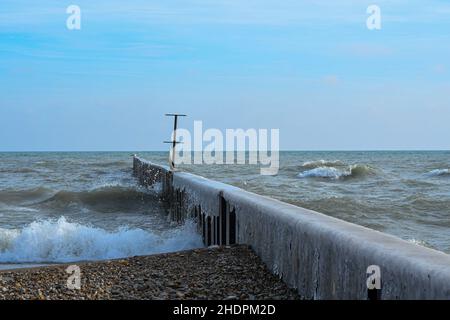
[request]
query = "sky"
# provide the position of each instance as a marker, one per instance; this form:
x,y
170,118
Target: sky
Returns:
x,y
311,69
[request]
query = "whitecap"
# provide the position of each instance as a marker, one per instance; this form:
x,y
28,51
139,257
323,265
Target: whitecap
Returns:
x,y
63,241
322,163
322,172
439,173
356,170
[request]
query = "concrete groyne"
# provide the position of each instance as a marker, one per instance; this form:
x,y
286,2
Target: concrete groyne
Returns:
x,y
320,256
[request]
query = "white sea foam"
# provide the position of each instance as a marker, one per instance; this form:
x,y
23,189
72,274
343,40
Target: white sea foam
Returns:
x,y
356,170
419,242
323,172
63,241
439,173
322,163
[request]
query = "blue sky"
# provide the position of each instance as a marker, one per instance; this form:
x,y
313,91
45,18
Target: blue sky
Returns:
x,y
310,68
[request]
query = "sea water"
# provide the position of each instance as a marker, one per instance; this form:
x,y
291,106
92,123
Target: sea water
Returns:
x,y
63,207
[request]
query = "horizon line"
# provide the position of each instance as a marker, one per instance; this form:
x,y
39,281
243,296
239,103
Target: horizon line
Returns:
x,y
284,150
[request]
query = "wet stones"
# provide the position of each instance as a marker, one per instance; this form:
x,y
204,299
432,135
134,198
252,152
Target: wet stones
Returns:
x,y
211,273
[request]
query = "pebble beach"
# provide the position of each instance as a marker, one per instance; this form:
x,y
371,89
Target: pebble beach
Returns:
x,y
222,273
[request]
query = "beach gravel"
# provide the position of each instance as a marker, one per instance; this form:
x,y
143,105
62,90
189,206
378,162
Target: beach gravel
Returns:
x,y
224,273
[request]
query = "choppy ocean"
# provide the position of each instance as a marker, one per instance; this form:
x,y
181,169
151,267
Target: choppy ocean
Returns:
x,y
60,207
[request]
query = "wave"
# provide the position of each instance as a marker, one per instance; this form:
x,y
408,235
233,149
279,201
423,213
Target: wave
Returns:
x,y
439,173
322,163
426,202
62,241
322,172
26,197
5,207
18,170
352,171
116,163
105,198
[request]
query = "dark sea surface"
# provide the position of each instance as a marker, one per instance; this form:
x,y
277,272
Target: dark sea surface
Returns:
x,y
59,207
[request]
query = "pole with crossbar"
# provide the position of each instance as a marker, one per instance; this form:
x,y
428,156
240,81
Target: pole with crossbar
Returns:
x,y
174,141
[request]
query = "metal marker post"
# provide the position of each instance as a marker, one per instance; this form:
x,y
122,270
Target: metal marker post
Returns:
x,y
174,142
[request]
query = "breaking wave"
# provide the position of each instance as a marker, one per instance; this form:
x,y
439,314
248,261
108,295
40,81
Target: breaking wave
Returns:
x,y
62,241
322,163
439,173
330,172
